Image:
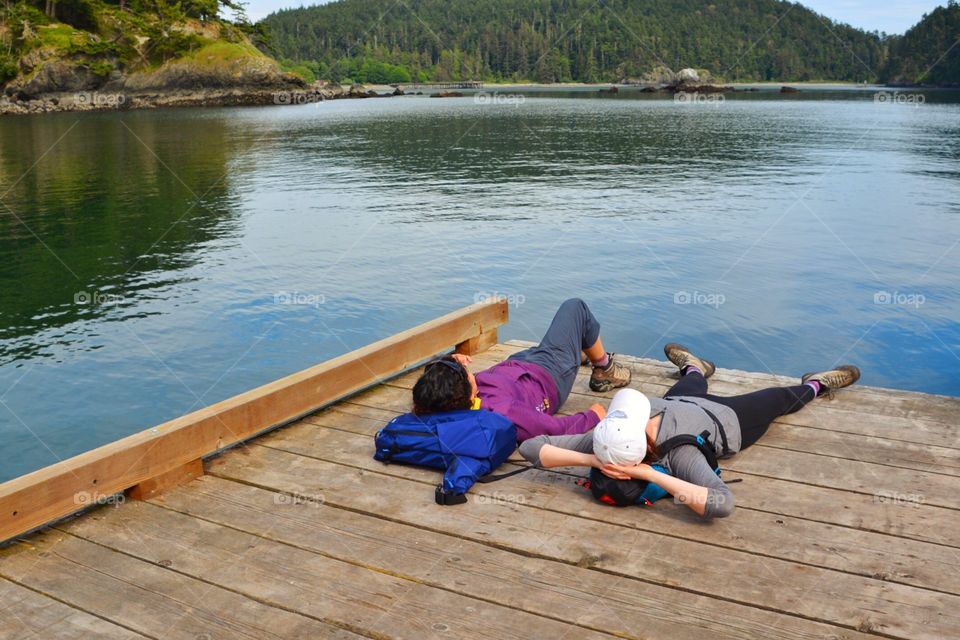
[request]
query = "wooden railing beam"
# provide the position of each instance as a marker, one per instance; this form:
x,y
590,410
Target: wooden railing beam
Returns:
x,y
170,452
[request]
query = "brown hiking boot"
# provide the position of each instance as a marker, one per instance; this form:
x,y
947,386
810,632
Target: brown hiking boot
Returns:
x,y
842,376
682,357
613,377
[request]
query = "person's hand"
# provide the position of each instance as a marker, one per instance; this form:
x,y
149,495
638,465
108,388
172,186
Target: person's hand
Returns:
x,y
599,410
462,359
613,471
623,472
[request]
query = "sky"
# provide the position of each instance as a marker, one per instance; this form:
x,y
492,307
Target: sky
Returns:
x,y
894,16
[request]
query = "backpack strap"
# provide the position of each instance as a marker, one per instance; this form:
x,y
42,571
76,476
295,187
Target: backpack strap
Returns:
x,y
716,421
446,498
701,442
490,477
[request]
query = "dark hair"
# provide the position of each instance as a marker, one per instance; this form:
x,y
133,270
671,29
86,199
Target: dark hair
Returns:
x,y
444,386
653,453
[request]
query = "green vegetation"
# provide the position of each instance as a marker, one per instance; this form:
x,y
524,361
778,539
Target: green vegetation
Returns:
x,y
572,40
125,35
928,53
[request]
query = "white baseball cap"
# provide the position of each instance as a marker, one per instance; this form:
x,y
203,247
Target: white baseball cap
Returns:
x,y
621,437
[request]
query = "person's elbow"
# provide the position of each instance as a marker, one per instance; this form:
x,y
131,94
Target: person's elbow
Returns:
x,y
530,449
720,504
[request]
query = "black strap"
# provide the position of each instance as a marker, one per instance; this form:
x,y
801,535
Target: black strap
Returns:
x,y
493,478
706,448
716,421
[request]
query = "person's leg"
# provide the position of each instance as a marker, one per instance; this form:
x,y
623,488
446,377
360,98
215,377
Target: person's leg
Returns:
x,y
574,329
755,411
691,384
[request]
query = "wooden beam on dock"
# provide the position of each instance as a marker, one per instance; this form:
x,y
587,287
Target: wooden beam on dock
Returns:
x,y
64,488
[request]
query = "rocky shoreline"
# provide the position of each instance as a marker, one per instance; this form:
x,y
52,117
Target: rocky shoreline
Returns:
x,y
80,101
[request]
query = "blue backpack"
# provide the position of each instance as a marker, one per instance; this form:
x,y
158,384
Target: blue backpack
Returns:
x,y
466,444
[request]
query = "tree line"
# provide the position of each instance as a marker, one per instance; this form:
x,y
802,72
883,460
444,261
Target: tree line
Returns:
x,y
573,40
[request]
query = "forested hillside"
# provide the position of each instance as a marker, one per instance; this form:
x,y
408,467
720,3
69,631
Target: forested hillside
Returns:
x,y
929,53
578,40
58,46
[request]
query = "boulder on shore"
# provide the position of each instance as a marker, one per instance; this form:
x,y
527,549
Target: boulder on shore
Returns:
x,y
786,89
687,76
357,91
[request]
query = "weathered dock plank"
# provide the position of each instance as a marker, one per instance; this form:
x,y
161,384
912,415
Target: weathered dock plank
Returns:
x,y
848,601
355,595
152,598
28,614
554,590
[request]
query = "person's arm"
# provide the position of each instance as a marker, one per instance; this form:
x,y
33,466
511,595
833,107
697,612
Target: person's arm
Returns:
x,y
531,423
560,451
694,485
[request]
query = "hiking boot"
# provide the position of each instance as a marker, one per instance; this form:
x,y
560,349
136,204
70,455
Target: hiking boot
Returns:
x,y
682,357
830,381
614,376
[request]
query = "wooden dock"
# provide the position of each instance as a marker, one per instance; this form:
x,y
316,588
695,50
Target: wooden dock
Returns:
x,y
846,526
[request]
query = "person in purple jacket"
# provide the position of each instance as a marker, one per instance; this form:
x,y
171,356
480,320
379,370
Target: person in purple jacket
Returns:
x,y
530,386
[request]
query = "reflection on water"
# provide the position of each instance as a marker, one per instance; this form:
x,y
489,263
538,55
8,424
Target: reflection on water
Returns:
x,y
149,259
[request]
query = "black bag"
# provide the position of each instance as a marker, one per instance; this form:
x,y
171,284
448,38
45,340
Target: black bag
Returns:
x,y
623,493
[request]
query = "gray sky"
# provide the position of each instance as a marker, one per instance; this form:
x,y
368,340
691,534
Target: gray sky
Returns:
x,y
883,15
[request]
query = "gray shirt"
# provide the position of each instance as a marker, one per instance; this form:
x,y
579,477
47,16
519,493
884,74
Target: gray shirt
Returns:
x,y
684,462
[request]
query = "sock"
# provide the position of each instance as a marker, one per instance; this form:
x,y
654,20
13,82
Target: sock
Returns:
x,y
816,386
604,363
687,370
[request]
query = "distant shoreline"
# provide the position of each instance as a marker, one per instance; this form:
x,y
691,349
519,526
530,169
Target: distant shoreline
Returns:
x,y
826,84
260,96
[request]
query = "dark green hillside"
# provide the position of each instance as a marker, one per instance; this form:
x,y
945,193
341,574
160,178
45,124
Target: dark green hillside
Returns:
x,y
929,53
580,40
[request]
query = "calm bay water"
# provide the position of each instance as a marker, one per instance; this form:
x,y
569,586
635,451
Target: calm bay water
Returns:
x,y
155,262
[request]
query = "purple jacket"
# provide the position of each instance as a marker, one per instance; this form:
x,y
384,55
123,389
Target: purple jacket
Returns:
x,y
527,394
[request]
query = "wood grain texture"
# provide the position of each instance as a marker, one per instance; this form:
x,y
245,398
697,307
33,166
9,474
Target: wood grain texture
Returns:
x,y
28,614
847,601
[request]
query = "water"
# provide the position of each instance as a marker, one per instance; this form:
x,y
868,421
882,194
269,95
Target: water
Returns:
x,y
155,262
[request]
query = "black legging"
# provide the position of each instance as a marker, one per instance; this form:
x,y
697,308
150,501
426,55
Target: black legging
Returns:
x,y
756,410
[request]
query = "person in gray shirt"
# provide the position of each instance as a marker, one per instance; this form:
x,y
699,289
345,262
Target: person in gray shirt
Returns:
x,y
732,422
